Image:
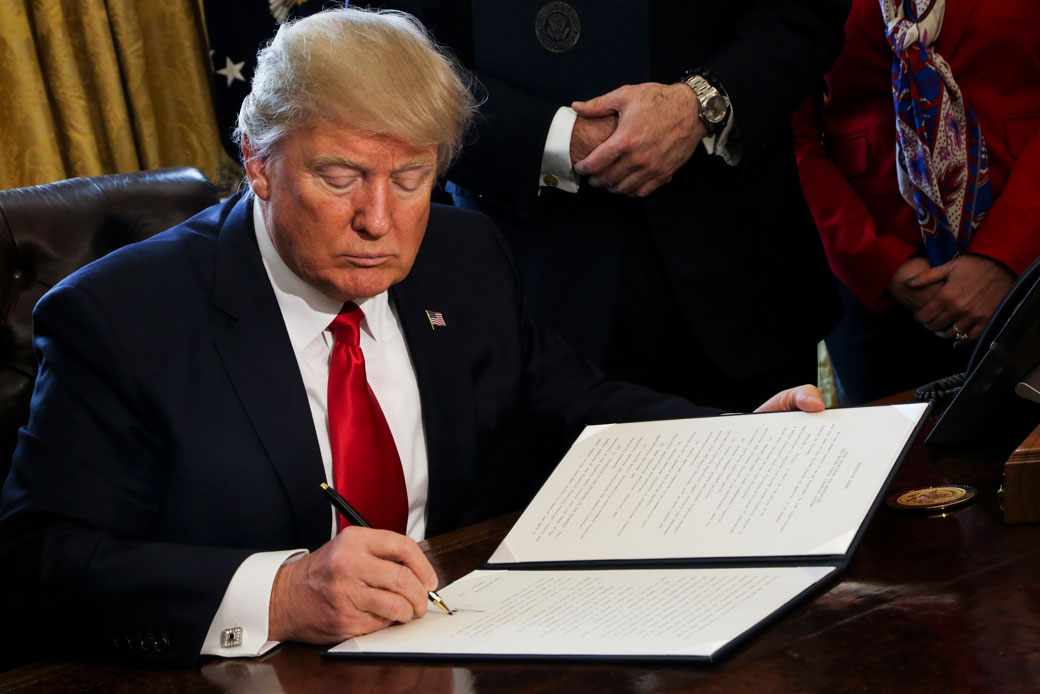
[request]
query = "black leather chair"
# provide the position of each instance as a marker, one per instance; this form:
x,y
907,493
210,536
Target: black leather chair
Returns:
x,y
49,231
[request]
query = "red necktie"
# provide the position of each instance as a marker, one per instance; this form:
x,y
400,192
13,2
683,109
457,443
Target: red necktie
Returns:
x,y
366,468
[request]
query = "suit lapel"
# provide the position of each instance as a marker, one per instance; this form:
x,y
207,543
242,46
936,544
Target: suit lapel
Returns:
x,y
260,362
444,386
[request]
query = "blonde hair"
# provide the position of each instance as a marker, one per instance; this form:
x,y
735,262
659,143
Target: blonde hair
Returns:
x,y
376,70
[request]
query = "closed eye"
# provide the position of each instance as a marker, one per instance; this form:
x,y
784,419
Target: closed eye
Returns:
x,y
340,182
338,176
340,179
410,180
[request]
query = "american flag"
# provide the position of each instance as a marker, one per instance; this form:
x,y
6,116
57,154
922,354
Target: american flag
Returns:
x,y
237,29
436,318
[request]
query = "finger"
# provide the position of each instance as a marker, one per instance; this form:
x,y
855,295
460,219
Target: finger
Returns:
x,y
412,588
386,605
948,327
635,181
929,314
959,330
807,398
605,155
929,276
646,173
600,106
652,185
371,573
357,623
614,174
616,149
941,321
403,550
633,172
942,324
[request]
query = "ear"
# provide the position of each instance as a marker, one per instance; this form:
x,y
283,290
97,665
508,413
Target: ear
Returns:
x,y
256,170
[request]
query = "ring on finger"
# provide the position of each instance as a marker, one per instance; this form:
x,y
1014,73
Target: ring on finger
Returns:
x,y
958,334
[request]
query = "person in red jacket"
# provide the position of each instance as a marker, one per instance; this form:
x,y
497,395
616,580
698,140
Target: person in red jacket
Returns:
x,y
925,227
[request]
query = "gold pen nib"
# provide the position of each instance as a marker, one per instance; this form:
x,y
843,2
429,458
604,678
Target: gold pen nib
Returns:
x,y
439,602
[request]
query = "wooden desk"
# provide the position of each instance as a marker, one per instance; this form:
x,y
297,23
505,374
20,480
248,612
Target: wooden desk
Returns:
x,y
949,604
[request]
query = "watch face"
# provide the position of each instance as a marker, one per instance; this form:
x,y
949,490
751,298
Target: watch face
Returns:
x,y
714,109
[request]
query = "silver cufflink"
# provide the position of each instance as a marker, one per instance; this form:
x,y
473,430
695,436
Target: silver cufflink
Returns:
x,y
230,638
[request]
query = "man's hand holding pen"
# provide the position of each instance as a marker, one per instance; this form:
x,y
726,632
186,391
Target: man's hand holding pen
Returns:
x,y
360,581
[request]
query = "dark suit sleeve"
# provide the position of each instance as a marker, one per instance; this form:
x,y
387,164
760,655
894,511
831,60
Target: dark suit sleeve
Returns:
x,y
76,566
778,53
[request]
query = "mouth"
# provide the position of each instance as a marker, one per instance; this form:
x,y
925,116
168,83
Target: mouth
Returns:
x,y
367,260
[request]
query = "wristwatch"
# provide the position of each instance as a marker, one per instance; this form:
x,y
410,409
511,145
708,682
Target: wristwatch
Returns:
x,y
714,104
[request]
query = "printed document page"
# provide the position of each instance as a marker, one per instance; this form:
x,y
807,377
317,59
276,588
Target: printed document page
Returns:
x,y
636,612
764,485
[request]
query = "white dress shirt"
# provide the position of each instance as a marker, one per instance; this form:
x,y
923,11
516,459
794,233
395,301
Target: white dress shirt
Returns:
x,y
391,375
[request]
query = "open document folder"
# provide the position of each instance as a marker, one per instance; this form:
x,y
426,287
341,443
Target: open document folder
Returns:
x,y
669,539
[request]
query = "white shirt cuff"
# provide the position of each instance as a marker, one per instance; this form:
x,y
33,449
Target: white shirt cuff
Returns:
x,y
242,615
557,171
726,144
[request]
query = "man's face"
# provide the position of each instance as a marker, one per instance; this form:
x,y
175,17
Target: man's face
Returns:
x,y
346,210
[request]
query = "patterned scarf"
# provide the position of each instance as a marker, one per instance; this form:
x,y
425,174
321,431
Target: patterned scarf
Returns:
x,y
941,155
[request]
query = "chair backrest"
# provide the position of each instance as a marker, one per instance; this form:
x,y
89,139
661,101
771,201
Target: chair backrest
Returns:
x,y
48,232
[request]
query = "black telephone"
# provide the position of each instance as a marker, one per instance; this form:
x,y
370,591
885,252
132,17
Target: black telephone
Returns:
x,y
999,399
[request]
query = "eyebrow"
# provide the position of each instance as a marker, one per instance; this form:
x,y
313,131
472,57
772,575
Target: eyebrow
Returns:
x,y
324,161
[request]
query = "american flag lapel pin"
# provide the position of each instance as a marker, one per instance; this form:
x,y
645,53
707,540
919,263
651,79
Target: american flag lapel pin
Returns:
x,y
436,319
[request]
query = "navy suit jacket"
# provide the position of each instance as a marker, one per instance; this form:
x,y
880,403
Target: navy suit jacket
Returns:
x,y
170,434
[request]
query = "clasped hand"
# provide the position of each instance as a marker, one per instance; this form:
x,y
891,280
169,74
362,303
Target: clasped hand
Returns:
x,y
657,131
961,294
360,581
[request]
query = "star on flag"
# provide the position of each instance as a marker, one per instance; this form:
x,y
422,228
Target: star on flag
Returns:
x,y
233,71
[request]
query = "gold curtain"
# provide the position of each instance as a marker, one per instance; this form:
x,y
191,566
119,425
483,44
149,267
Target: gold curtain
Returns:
x,y
90,87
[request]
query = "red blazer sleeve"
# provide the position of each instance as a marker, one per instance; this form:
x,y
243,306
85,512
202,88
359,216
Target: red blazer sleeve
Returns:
x,y
1010,232
863,259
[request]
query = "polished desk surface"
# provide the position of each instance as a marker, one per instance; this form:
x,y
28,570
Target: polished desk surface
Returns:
x,y
928,604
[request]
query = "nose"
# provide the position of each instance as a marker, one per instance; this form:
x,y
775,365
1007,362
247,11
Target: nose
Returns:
x,y
372,208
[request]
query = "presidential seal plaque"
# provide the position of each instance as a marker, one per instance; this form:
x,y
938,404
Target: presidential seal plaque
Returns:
x,y
933,499
557,27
